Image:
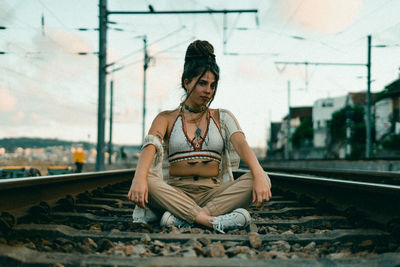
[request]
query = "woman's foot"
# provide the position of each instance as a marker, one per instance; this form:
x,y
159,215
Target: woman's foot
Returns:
x,y
141,215
237,219
170,220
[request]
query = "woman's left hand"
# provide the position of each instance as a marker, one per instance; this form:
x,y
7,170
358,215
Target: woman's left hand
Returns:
x,y
261,190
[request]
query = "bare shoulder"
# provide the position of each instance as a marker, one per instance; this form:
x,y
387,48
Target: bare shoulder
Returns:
x,y
167,118
168,115
162,123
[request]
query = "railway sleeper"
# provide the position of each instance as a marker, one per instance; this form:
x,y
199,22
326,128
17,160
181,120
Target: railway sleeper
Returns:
x,y
333,245
115,203
26,257
52,232
311,221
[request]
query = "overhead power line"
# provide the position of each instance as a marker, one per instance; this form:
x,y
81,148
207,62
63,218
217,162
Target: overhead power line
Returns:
x,y
103,18
170,12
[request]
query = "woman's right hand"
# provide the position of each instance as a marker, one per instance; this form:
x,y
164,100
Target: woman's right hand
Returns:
x,y
138,193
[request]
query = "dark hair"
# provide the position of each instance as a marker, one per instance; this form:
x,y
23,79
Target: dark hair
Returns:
x,y
199,59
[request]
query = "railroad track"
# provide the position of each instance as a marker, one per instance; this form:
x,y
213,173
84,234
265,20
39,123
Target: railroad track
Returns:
x,y
85,220
382,177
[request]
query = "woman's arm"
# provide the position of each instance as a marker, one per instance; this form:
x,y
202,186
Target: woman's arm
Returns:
x,y
138,192
261,183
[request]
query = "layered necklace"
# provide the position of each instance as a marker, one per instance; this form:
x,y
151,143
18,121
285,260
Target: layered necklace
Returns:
x,y
197,140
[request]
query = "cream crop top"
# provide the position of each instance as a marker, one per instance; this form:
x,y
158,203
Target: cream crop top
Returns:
x,y
180,147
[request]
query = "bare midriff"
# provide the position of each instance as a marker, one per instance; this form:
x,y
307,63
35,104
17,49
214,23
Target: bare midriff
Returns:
x,y
194,167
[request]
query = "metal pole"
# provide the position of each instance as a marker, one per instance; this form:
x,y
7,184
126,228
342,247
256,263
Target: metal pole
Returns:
x,y
224,35
368,113
287,156
111,121
348,130
102,84
145,66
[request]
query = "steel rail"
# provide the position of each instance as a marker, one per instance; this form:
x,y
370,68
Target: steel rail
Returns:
x,y
378,202
356,185
384,177
16,195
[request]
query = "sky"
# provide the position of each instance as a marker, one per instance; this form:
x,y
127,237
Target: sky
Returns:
x,y
48,90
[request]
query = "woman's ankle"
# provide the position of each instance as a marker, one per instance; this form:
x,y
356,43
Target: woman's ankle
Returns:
x,y
204,218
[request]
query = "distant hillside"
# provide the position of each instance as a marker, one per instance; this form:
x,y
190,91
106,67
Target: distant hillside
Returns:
x,y
10,144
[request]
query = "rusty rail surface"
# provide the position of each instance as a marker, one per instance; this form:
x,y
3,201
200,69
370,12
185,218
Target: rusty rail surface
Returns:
x,y
384,177
85,219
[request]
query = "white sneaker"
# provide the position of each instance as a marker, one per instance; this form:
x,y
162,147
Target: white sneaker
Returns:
x,y
237,219
170,220
141,215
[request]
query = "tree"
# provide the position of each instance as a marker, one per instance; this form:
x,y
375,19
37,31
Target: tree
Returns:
x,y
303,135
338,127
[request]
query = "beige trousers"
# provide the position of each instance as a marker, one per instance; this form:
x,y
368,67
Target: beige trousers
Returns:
x,y
186,196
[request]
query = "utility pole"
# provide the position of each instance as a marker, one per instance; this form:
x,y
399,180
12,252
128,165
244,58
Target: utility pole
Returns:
x,y
42,22
368,111
102,84
224,35
110,150
287,148
146,60
348,130
368,95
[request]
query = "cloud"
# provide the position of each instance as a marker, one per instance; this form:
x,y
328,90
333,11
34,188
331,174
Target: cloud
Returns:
x,y
326,16
249,68
7,100
6,13
35,116
57,59
18,117
60,39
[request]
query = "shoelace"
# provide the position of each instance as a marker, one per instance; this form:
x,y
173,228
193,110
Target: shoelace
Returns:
x,y
218,222
141,215
217,225
181,224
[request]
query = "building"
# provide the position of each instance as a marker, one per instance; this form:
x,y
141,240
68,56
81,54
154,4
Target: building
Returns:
x,y
387,110
297,115
273,138
323,110
321,114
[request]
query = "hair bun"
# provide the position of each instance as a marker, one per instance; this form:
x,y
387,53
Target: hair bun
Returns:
x,y
200,50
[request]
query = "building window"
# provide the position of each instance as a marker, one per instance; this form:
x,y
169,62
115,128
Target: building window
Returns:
x,y
327,104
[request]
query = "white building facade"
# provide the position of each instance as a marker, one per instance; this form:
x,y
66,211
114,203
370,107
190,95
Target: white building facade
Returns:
x,y
383,117
322,113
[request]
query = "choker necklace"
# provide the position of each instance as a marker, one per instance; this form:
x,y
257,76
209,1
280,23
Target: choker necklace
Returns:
x,y
192,110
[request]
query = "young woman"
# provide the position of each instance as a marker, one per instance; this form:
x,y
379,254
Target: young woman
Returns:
x,y
201,145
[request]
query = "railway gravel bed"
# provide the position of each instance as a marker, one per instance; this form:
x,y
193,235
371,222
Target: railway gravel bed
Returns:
x,y
94,228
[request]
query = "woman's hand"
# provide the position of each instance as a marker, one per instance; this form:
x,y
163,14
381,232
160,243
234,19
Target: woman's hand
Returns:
x,y
138,193
261,190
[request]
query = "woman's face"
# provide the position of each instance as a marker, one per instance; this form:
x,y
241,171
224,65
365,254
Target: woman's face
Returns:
x,y
203,91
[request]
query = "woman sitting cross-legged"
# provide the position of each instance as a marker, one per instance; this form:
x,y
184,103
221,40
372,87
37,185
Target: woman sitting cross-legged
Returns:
x,y
201,145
